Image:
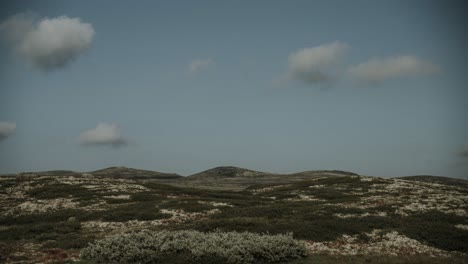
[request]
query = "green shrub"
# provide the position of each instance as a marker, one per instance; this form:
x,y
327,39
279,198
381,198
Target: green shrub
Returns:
x,y
133,211
70,241
437,229
146,197
39,231
188,205
37,218
188,246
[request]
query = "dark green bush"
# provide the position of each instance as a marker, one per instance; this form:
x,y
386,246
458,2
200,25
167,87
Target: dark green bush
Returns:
x,y
59,190
70,241
133,211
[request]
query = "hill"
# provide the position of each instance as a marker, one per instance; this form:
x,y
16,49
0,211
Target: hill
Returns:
x,y
225,172
234,178
130,173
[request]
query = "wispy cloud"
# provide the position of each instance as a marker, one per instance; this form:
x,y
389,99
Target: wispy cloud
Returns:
x,y
464,151
104,134
377,70
200,65
47,43
316,64
7,129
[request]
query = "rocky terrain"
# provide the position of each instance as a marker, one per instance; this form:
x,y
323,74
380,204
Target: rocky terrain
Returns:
x,y
47,217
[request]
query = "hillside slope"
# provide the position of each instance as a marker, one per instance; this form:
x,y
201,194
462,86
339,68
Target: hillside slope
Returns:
x,y
436,179
48,219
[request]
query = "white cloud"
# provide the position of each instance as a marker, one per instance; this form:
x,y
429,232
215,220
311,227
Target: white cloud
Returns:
x,y
378,69
103,134
317,64
200,65
7,129
48,43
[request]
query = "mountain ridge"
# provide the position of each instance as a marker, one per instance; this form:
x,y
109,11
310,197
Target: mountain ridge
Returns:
x,y
226,173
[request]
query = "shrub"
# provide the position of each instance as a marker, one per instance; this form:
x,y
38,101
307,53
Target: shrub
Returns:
x,y
437,229
39,231
70,241
188,246
188,205
134,211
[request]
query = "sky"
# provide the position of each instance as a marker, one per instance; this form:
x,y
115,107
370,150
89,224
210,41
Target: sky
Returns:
x,y
373,87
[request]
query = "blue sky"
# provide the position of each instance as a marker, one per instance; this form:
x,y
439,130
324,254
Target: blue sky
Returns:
x,y
373,87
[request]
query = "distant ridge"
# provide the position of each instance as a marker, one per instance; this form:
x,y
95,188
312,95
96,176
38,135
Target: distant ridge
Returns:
x,y
111,172
52,173
131,173
217,173
229,177
231,172
324,172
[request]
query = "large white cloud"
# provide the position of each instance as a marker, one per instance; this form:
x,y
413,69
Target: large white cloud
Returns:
x,y
200,65
316,64
7,129
378,69
103,134
48,43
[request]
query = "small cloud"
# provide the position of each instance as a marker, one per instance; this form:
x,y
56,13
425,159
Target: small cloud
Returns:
x,y
103,134
7,129
47,43
200,65
464,151
316,64
14,29
377,69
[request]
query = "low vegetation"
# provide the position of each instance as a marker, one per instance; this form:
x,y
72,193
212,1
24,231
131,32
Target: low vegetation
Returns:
x,y
49,219
194,247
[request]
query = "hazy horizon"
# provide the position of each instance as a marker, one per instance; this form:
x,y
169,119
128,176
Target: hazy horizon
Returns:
x,y
373,87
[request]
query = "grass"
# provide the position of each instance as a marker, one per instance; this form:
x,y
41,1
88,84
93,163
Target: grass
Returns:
x,y
333,259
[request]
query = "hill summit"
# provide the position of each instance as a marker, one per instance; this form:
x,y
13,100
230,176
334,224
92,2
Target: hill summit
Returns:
x,y
226,172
